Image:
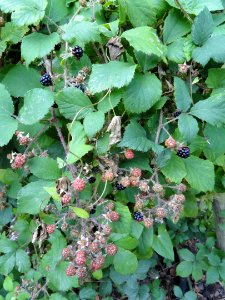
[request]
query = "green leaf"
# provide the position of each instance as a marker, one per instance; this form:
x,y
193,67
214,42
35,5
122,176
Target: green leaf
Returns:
x,y
8,284
184,269
216,78
77,147
20,80
83,32
80,212
212,275
178,291
38,45
175,51
186,254
93,123
135,138
3,46
211,110
7,263
72,102
142,93
24,12
57,278
216,145
12,33
140,13
221,270
8,124
22,261
7,246
36,105
174,169
114,74
44,167
195,6
197,271
190,296
56,10
145,241
33,197
162,243
87,293
97,274
145,39
140,160
103,144
200,174
182,96
212,49
175,26
188,127
127,243
125,262
202,27
123,225
111,101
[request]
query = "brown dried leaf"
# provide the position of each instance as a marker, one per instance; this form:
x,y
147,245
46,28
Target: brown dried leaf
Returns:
x,y
115,48
115,128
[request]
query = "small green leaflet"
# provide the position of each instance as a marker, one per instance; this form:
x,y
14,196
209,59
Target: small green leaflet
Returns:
x,y
8,124
182,96
211,110
203,27
125,262
80,212
145,39
175,169
114,74
162,243
188,127
93,123
38,45
36,105
135,138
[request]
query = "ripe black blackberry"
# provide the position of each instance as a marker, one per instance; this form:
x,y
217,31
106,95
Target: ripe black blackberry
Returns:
x,y
95,170
46,80
119,186
183,152
57,47
176,113
77,51
138,216
80,87
91,179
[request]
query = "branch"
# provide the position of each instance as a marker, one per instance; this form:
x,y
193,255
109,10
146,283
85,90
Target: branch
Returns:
x,y
43,129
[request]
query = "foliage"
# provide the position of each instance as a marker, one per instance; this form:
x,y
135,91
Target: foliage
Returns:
x,y
96,199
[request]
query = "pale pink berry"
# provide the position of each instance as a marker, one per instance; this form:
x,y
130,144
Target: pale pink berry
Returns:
x,y
79,184
94,247
180,198
143,186
157,188
113,216
19,161
134,181
170,143
70,271
81,258
50,228
66,252
160,213
125,181
129,154
136,172
108,176
148,222
111,249
81,273
97,263
66,198
107,230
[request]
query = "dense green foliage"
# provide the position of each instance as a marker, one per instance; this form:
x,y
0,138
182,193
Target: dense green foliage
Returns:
x,y
125,134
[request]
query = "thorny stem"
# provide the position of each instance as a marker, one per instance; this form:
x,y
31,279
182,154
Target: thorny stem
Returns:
x,y
43,288
43,129
98,53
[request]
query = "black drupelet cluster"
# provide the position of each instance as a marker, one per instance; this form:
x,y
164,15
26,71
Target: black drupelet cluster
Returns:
x,y
91,179
46,80
119,186
78,52
176,113
183,152
138,216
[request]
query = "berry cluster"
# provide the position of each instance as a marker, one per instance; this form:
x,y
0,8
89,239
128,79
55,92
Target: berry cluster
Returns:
x,y
18,160
77,52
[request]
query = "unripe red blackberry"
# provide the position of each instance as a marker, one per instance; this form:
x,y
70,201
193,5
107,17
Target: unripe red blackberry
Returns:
x,y
94,247
66,252
111,249
113,216
160,212
70,271
19,161
108,176
97,263
50,228
129,154
66,198
134,181
180,198
81,273
148,222
170,143
136,172
143,186
125,181
81,258
79,184
23,140
107,230
157,188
